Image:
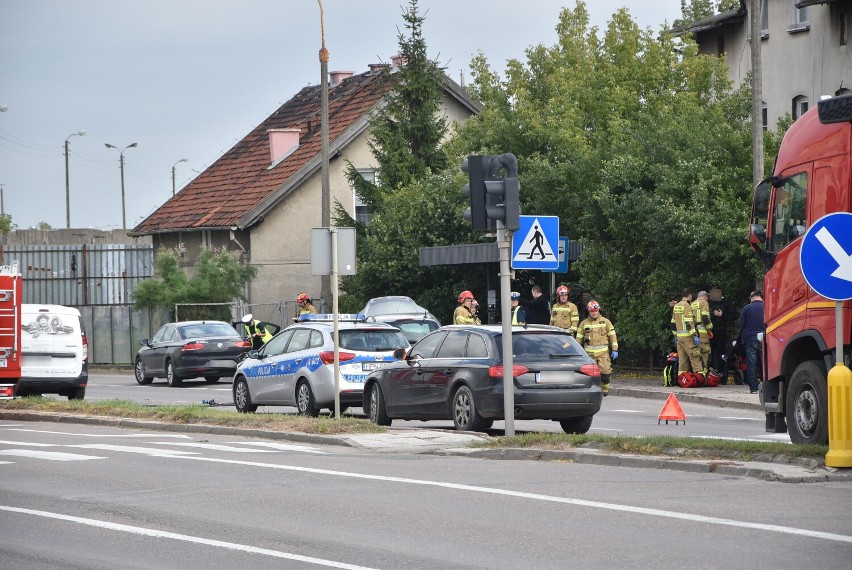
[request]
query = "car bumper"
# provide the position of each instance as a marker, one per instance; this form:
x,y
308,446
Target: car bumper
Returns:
x,y
52,385
191,367
542,404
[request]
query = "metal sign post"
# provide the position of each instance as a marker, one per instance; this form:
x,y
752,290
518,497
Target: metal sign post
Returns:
x,y
504,243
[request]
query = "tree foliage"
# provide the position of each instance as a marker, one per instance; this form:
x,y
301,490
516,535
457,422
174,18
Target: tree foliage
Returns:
x,y
220,277
643,149
6,224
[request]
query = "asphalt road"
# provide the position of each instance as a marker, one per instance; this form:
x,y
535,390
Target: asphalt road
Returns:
x,y
619,415
80,496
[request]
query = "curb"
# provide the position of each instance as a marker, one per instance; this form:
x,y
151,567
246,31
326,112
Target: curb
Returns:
x,y
684,396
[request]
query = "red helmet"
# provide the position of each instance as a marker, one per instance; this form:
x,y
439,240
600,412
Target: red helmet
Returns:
x,y
563,289
302,298
593,306
464,295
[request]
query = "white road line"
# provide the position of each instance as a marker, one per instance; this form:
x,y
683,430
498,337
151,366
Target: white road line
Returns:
x,y
628,411
183,537
548,498
740,419
280,446
215,447
5,442
155,452
141,435
49,455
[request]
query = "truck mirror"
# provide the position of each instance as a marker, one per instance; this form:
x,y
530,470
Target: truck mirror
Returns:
x,y
757,234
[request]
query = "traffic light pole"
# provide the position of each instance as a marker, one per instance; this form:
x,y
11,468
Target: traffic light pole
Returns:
x,y
504,246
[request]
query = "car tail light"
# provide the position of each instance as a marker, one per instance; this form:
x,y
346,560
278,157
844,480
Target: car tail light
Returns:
x,y
327,356
590,370
190,346
517,370
85,348
242,344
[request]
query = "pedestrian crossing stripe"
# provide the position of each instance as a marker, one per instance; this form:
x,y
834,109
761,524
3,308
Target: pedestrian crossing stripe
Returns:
x,y
533,243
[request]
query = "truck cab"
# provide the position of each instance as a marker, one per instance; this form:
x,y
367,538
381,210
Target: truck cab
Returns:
x,y
812,177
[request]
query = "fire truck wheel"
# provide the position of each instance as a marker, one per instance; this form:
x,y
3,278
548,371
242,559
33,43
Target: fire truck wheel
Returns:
x,y
807,404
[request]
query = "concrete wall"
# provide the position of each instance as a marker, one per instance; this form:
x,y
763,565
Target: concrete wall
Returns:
x,y
73,236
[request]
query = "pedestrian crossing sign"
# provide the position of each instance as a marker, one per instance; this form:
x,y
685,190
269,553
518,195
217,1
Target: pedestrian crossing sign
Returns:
x,y
535,243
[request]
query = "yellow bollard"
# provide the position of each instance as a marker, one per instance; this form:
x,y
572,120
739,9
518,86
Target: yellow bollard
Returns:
x,y
839,417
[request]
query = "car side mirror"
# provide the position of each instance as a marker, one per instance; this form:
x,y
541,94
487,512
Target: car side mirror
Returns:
x,y
255,354
144,342
399,353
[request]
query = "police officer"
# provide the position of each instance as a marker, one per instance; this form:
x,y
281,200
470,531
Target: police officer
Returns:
x,y
564,313
597,335
519,314
464,314
256,331
688,342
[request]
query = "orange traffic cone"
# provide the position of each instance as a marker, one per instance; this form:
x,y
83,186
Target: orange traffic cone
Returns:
x,y
672,411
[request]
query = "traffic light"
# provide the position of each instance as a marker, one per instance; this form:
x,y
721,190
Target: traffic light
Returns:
x,y
492,199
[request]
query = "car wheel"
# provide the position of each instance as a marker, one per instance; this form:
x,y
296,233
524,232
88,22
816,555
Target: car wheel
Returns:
x,y
807,404
378,412
211,379
139,371
242,397
77,393
465,415
576,425
305,403
171,377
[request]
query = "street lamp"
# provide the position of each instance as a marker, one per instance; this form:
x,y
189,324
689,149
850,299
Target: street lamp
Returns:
x,y
67,183
173,173
121,162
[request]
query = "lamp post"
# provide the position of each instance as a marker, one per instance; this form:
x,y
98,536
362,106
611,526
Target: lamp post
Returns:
x,y
173,173
67,182
121,162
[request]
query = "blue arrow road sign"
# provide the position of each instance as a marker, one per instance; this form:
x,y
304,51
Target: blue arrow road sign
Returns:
x,y
535,243
826,256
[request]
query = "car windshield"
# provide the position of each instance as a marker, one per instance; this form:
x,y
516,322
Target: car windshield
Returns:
x,y
208,330
372,340
392,306
543,345
414,329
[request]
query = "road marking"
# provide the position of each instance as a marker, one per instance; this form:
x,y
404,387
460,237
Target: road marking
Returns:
x,y
740,419
155,452
280,446
215,447
183,537
49,455
6,442
105,435
628,411
548,498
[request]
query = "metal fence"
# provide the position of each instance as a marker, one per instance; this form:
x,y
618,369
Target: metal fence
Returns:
x,y
114,331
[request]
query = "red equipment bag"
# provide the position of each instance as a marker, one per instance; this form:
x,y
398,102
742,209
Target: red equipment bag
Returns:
x,y
713,379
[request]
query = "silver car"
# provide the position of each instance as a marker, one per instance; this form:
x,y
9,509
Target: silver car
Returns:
x,y
296,366
414,321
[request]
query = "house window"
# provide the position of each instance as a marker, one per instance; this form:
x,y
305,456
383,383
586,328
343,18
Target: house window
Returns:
x,y
800,106
362,212
799,18
764,19
764,113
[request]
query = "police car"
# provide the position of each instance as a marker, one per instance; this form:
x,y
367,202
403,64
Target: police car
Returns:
x,y
296,366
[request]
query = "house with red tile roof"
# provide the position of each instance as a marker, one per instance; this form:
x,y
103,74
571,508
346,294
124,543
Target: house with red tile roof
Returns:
x,y
263,196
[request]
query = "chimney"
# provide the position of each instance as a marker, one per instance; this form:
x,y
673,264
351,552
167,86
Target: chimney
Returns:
x,y
282,143
335,77
397,61
374,67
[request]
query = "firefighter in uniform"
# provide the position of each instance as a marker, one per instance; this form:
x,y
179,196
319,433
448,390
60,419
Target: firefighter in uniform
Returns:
x,y
564,313
597,335
256,332
701,317
688,342
519,315
464,314
304,305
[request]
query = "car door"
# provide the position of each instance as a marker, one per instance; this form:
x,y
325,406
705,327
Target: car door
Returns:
x,y
407,384
265,372
439,372
293,365
152,357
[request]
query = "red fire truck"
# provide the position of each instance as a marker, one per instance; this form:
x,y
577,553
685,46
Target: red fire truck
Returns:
x,y
10,330
812,177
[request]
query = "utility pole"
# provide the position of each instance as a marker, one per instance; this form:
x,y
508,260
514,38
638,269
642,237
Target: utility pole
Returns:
x,y
326,189
756,96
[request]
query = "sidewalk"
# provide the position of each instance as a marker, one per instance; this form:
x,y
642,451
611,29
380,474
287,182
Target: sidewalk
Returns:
x,y
724,396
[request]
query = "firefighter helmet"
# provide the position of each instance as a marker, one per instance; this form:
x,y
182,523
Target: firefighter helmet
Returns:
x,y
563,289
302,298
593,306
465,295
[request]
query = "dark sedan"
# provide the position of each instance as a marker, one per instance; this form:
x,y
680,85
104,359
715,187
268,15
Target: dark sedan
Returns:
x,y
190,349
456,373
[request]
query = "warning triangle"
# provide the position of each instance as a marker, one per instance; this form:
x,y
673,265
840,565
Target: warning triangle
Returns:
x,y
672,410
535,246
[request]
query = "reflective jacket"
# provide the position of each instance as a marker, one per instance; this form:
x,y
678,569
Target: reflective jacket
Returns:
x,y
597,335
565,316
701,315
682,323
463,316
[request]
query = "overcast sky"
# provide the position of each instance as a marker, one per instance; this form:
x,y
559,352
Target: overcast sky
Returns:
x,y
189,78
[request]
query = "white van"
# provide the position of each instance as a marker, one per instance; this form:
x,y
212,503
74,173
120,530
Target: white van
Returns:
x,y
54,352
